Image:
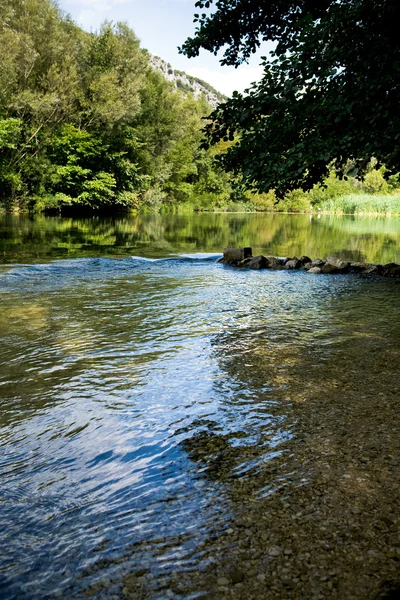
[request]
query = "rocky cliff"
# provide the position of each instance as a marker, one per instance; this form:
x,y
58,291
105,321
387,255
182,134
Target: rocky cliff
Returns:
x,y
187,83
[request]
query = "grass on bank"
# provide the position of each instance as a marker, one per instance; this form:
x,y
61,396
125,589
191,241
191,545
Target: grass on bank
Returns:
x,y
348,204
353,204
375,196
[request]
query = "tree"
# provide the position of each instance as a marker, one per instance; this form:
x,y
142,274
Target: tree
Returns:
x,y
329,92
86,123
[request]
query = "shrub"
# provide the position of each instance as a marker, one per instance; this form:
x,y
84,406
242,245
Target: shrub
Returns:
x,y
295,201
263,202
330,189
374,183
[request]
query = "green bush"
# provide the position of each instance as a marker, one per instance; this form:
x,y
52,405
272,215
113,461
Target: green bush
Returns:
x,y
295,201
332,188
263,202
52,202
375,183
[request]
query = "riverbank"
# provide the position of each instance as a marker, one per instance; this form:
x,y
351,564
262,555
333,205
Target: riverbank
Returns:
x,y
327,202
371,205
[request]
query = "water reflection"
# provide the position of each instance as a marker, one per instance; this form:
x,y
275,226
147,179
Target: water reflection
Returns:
x,y
370,239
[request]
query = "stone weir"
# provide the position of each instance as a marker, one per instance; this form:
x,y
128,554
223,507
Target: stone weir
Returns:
x,y
243,257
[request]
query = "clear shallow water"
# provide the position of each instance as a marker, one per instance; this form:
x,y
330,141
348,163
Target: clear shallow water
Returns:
x,y
134,393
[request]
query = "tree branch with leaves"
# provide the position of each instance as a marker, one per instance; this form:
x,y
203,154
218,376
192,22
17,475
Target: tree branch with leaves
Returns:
x,y
328,95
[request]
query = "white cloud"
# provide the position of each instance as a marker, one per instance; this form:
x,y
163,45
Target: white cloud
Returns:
x,y
227,80
94,12
97,4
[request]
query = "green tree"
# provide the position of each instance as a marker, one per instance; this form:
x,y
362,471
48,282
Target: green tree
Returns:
x,y
328,95
86,122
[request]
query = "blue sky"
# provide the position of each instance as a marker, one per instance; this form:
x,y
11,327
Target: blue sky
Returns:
x,y
161,26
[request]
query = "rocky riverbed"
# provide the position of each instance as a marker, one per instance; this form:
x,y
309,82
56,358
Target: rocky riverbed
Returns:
x,y
331,529
242,257
320,520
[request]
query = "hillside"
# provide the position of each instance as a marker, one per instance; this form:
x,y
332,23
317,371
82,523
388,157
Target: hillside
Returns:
x,y
86,124
187,83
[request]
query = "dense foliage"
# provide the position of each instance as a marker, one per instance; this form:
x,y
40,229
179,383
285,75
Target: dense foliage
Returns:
x,y
350,195
86,122
329,93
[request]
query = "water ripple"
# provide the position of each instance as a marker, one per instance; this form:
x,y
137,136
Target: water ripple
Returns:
x,y
134,392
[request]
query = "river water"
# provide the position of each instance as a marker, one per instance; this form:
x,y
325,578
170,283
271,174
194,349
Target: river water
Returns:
x,y
168,425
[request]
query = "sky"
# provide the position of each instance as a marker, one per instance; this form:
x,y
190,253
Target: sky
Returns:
x,y
162,26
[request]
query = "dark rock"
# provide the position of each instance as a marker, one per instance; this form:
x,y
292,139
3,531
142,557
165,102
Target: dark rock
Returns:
x,y
274,262
258,262
317,262
340,265
391,270
220,260
236,576
327,268
245,262
374,269
235,255
305,259
358,267
242,257
293,263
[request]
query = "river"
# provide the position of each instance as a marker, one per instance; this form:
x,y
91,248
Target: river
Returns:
x,y
173,428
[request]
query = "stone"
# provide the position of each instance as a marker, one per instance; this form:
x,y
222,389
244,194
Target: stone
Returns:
x,y
258,262
373,269
317,262
305,259
245,262
242,257
274,262
236,576
391,270
315,270
235,255
358,267
222,581
293,263
328,268
340,265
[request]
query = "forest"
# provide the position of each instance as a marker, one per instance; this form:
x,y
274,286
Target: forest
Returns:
x,y
86,124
